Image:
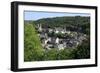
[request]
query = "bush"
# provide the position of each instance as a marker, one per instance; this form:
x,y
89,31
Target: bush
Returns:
x,y
83,50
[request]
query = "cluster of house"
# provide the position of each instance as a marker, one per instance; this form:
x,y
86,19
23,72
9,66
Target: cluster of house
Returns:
x,y
50,42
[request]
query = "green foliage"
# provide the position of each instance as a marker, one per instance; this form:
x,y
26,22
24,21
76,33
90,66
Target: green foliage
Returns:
x,y
66,54
77,23
83,50
55,54
51,54
32,45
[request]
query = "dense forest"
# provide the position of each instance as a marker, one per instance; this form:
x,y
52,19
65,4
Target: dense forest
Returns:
x,y
76,23
33,49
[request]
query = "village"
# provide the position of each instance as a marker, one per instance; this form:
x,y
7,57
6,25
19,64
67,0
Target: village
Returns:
x,y
59,38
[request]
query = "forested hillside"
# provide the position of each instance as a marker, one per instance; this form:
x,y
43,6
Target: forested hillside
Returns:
x,y
77,23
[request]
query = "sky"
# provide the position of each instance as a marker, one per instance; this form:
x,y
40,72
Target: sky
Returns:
x,y
35,15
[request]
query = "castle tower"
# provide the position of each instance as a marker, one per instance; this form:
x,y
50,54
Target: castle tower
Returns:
x,y
40,27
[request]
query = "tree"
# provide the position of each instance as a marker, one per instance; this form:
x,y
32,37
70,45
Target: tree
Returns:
x,y
83,50
32,45
66,54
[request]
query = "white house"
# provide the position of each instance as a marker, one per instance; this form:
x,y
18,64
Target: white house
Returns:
x,y
68,32
40,27
60,46
57,40
50,30
60,30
